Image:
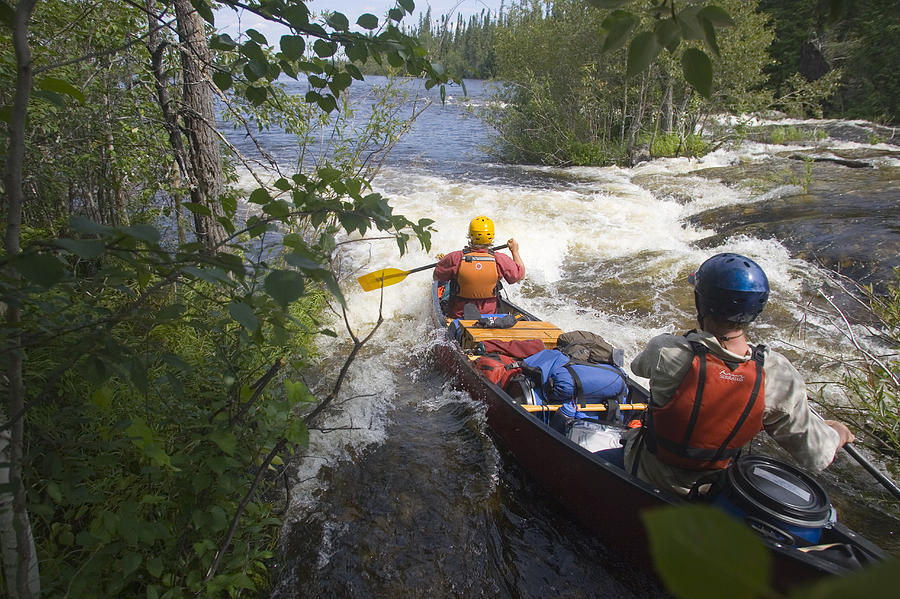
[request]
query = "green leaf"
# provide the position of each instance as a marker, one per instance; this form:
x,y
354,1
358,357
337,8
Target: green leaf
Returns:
x,y
716,15
256,95
357,52
277,209
353,71
204,10
709,36
690,23
327,277
297,15
395,59
408,5
243,315
222,79
340,82
668,34
298,392
301,261
697,69
222,41
175,361
154,567
252,51
871,581
7,14
283,184
641,53
171,312
197,208
79,224
226,441
338,21
297,433
257,37
45,270
328,174
52,97
619,26
255,69
226,224
327,103
83,248
700,550
210,275
61,87
145,233
367,21
260,195
130,562
285,286
54,492
292,46
395,14
324,49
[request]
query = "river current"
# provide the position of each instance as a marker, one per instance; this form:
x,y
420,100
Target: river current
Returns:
x,y
403,493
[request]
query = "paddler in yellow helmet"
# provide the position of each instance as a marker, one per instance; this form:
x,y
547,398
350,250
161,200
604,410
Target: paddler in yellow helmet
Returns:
x,y
476,270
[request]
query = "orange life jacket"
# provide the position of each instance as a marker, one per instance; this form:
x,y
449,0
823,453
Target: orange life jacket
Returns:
x,y
477,275
717,410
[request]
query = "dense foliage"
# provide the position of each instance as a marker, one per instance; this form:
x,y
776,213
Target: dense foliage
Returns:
x,y
154,343
576,97
465,47
860,41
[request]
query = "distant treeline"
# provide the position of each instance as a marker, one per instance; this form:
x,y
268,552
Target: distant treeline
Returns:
x,y
464,46
862,43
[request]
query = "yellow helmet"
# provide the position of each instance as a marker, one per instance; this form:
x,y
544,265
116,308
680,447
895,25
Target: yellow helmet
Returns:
x,y
481,230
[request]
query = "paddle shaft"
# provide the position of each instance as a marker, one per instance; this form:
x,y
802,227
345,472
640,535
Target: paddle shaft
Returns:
x,y
427,266
879,476
870,468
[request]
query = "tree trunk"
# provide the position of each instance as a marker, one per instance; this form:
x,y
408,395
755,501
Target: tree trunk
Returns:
x,y
681,115
668,121
114,183
23,581
638,120
157,47
198,114
9,548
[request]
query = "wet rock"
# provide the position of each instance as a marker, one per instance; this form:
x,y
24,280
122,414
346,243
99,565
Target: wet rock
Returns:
x,y
841,161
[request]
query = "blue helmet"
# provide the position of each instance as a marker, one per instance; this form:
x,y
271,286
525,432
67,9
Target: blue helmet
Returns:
x,y
730,287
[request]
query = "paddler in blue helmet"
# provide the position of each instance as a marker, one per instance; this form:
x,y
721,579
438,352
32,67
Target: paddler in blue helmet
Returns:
x,y
476,270
744,388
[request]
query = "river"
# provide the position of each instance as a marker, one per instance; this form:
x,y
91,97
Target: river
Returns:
x,y
404,493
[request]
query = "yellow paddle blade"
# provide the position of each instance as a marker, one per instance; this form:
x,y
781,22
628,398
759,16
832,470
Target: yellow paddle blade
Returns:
x,y
382,278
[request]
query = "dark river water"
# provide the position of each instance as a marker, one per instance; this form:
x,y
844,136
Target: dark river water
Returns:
x,y
403,492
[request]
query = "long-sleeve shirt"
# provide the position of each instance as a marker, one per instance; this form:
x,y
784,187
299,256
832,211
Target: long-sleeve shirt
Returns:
x,y
787,417
447,268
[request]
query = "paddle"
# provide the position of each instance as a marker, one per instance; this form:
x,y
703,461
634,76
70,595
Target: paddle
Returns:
x,y
389,276
879,476
870,468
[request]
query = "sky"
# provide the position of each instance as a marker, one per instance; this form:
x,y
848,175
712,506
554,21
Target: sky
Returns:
x,y
227,20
